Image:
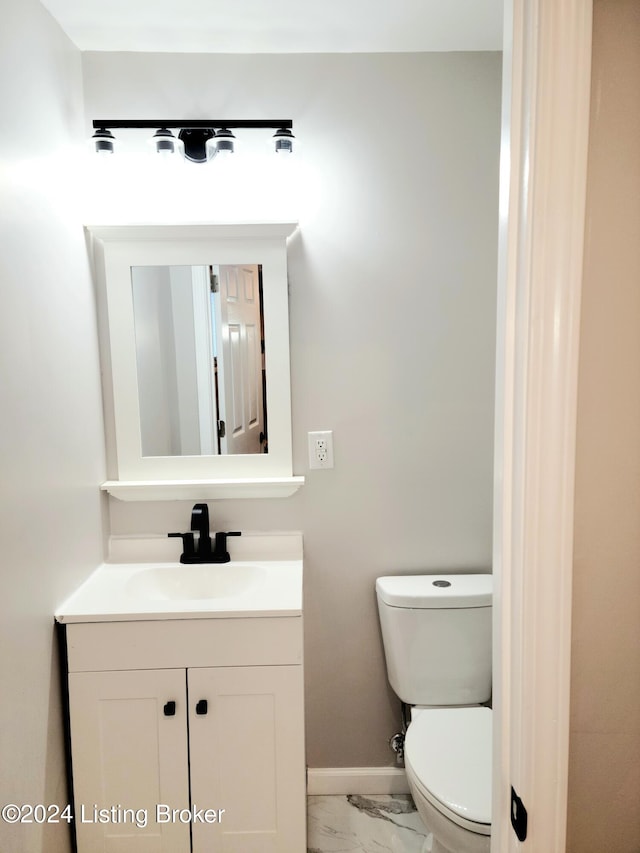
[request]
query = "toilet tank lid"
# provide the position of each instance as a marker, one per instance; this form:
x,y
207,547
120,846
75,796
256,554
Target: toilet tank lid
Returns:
x,y
435,591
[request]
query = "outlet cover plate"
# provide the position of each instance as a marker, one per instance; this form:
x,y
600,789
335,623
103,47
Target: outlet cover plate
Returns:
x,y
321,449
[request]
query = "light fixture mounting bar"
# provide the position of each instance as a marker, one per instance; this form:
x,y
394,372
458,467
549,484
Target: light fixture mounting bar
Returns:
x,y
186,124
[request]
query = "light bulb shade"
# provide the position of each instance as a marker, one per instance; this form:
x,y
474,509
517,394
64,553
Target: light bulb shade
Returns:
x,y
283,141
224,141
104,141
166,143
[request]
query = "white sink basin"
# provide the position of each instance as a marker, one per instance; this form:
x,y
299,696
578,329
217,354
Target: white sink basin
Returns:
x,y
193,582
263,578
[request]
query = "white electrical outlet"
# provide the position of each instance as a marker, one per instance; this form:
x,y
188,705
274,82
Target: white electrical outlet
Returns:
x,y
321,449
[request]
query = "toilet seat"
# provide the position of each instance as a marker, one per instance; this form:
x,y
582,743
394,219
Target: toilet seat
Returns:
x,y
448,755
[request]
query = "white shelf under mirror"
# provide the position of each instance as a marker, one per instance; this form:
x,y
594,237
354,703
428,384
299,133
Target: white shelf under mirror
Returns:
x,y
177,490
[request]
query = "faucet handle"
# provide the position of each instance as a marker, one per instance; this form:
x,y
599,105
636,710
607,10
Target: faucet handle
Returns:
x,y
188,546
220,553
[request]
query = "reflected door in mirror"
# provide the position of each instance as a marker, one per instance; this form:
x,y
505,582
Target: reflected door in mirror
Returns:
x,y
242,379
199,338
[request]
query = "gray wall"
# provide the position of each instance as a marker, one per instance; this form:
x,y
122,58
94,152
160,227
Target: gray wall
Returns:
x,y
51,440
604,758
392,298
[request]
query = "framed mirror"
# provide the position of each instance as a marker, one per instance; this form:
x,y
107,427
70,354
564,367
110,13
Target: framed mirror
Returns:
x,y
195,339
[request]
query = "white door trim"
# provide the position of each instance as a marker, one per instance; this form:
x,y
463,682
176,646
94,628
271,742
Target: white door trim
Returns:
x,y
543,178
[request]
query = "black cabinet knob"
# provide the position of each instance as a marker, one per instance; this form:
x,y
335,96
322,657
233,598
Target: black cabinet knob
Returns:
x,y
170,709
202,707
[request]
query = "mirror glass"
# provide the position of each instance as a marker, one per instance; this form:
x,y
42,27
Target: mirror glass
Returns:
x,y
199,342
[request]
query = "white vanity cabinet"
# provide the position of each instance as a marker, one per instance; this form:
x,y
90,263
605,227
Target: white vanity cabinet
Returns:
x,y
188,735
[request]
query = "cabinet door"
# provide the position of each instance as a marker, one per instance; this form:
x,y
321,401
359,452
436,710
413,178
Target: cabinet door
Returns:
x,y
129,754
247,757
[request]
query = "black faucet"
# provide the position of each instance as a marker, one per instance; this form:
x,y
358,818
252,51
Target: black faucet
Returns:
x,y
202,550
200,525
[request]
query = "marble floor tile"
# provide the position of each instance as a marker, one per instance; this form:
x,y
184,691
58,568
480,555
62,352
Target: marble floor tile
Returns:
x,y
359,824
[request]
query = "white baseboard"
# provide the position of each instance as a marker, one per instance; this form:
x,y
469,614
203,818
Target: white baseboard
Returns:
x,y
356,780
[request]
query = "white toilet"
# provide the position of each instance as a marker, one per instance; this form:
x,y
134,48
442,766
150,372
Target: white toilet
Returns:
x,y
436,631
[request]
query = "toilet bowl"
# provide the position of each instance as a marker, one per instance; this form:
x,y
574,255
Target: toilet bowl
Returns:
x,y
436,632
447,755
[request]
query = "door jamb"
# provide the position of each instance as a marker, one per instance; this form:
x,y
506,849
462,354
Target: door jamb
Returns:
x,y
546,90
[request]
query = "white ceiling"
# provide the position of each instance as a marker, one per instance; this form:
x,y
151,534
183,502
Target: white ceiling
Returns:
x,y
281,26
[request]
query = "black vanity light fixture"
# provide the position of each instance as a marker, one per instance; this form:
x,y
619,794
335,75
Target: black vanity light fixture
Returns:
x,y
198,141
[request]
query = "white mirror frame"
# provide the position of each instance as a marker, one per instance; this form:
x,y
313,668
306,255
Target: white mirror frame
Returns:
x,y
117,248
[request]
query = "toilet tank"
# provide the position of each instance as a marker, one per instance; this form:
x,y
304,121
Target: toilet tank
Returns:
x,y
436,631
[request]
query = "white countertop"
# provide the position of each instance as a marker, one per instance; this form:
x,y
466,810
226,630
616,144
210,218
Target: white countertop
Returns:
x,y
117,592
